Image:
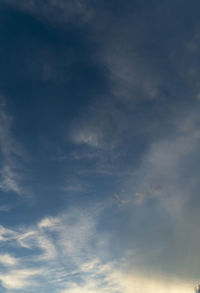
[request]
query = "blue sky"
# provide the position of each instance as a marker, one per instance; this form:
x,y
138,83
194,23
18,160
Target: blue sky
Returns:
x,y
99,146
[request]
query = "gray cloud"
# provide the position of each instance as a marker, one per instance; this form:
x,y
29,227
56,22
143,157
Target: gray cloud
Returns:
x,y
160,193
160,200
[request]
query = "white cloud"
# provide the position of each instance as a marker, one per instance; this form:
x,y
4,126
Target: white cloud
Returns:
x,y
55,245
9,180
49,223
7,234
65,255
134,282
108,279
27,238
19,279
49,249
7,259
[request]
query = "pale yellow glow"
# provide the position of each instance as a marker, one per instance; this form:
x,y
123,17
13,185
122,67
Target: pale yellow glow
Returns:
x,y
132,283
142,284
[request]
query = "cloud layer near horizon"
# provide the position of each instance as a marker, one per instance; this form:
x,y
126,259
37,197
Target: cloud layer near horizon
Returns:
x,y
65,254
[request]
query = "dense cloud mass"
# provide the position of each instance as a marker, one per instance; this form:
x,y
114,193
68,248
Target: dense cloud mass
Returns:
x,y
99,146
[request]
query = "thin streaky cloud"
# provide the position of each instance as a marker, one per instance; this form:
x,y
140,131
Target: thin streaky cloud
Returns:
x,y
10,149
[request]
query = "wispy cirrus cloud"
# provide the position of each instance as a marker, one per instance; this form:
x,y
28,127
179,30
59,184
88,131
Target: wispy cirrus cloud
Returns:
x,y
79,263
55,247
11,154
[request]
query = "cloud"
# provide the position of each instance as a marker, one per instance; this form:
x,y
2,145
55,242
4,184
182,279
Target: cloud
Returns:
x,y
7,259
159,203
59,11
116,119
165,164
158,190
133,73
11,153
7,234
86,136
140,197
56,247
101,127
131,77
48,223
66,254
35,239
106,278
18,279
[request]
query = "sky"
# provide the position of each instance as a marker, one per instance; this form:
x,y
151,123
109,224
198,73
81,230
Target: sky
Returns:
x,y
99,146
